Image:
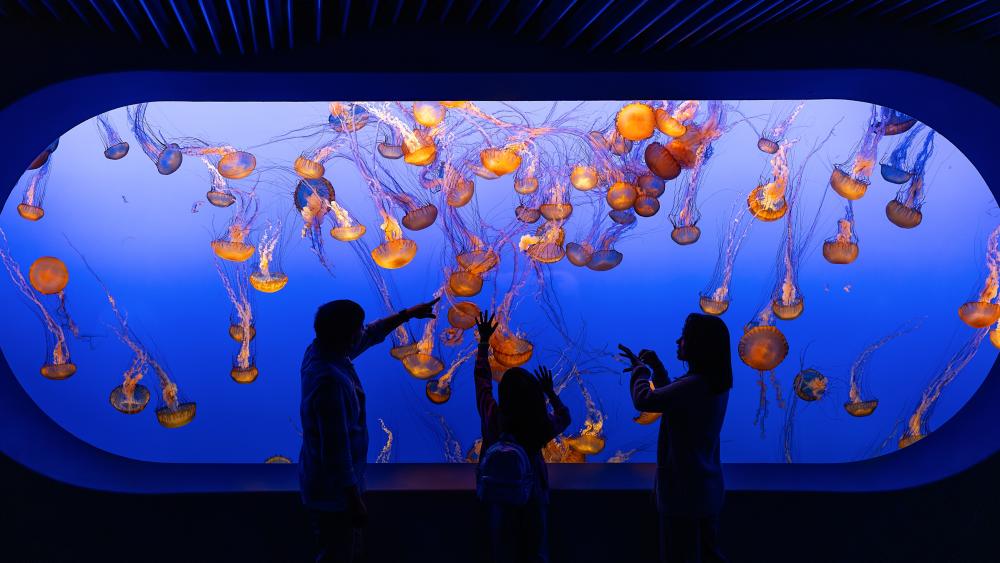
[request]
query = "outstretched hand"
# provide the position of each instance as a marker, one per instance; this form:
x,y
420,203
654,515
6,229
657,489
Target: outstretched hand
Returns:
x,y
650,358
486,324
629,355
544,377
423,310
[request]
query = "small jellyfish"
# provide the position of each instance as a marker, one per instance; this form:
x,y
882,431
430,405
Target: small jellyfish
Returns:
x,y
233,245
438,390
852,183
774,132
579,254
810,386
173,411
167,156
897,122
558,206
30,207
267,276
501,161
857,405
131,397
545,245
428,114
219,195
590,440
894,167
278,460
385,454
842,248
905,210
114,147
583,177
635,121
715,298
527,215
984,311
241,328
347,117
43,156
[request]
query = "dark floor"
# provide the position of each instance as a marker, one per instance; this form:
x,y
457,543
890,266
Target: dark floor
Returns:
x,y
955,520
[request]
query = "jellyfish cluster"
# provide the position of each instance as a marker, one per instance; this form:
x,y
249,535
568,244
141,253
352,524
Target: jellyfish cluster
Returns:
x,y
579,186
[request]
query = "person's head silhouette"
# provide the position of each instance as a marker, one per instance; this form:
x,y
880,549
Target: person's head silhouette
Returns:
x,y
338,326
522,408
704,345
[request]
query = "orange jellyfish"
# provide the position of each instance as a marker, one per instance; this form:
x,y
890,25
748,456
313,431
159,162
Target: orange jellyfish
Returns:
x,y
590,440
114,147
905,210
583,177
763,347
810,386
267,276
557,206
233,245
438,390
857,405
852,182
714,300
50,278
385,454
635,121
43,156
503,160
173,410
421,363
429,114
896,122
231,163
347,117
917,424
36,180
462,315
767,201
671,117
685,215
648,189
242,328
167,156
418,214
842,248
545,245
621,196
396,251
277,459
314,199
346,230
418,146
219,195
774,132
661,162
984,311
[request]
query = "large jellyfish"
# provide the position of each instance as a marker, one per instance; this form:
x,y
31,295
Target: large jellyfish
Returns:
x,y
30,207
984,310
851,179
114,147
242,325
857,405
842,247
345,229
636,121
767,201
48,277
763,347
267,276
418,145
167,156
230,162
234,245
916,425
714,299
421,363
774,131
905,210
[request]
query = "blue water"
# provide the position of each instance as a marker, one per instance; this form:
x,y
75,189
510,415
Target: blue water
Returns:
x,y
137,230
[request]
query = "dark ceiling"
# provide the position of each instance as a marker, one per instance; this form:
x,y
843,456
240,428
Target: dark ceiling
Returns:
x,y
62,38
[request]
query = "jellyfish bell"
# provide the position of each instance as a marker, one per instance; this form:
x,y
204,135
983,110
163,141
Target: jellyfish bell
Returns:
x,y
979,314
511,350
177,417
422,366
58,372
394,254
500,161
462,315
169,159
635,122
651,185
908,440
763,207
402,351
645,418
840,251
810,385
30,212
347,118
995,337
268,283
899,123
556,211
861,408
661,162
846,186
621,196
619,145
496,368
895,175
237,333
279,459
129,403
220,198
39,160
419,150
767,145
309,169
587,444
48,275
685,153
465,284
460,192
711,306
646,205
788,311
763,347
685,234
236,165
527,214
437,393
668,124
478,261
233,251
421,217
583,178
526,185
546,252
310,187
116,151
622,217
903,216
604,260
389,151
244,375
428,114
579,254
348,233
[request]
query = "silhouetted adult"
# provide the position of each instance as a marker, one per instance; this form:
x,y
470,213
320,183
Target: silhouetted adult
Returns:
x,y
518,528
689,483
334,428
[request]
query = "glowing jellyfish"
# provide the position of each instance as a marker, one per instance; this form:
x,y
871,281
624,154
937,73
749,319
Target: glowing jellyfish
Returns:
x,y
984,311
583,178
714,300
646,205
579,254
660,161
671,117
809,385
646,418
545,245
858,406
465,284
621,196
763,347
420,217
685,215
267,276
347,117
917,424
774,132
558,450
314,199
428,114
905,211
558,206
236,164
527,214
511,349
219,195
233,245
174,411
244,369
896,122
842,248
462,315
501,161
385,454
767,201
852,183
43,157
346,229
605,257
114,147
458,189
30,207
635,121
396,251
422,364
438,390
165,155
590,440
525,185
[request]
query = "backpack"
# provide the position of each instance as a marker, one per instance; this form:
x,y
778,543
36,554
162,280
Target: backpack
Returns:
x,y
504,474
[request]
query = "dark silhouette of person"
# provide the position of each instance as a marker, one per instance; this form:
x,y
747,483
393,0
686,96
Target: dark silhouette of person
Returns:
x,y
689,483
334,429
518,533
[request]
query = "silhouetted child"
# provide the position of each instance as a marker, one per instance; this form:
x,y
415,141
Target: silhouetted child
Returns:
x,y
334,429
689,484
512,478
